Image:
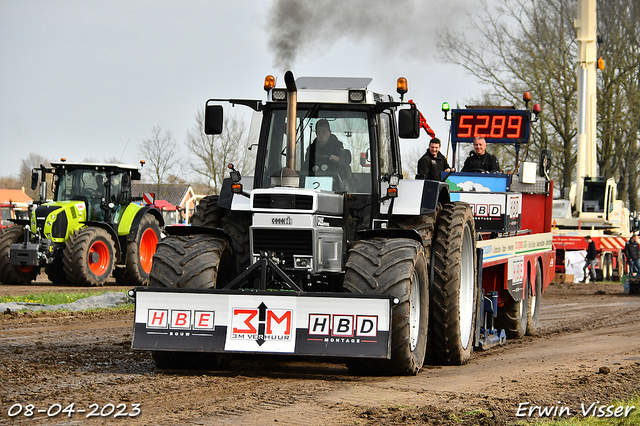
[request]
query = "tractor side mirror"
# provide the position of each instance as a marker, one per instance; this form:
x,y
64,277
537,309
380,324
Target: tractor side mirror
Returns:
x,y
213,119
409,123
34,179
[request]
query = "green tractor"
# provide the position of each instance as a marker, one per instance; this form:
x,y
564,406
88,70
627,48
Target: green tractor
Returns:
x,y
90,230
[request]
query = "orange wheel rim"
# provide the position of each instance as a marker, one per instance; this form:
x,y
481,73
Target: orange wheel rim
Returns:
x,y
101,249
148,244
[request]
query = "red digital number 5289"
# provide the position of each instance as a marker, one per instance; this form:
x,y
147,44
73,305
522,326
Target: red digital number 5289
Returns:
x,y
490,126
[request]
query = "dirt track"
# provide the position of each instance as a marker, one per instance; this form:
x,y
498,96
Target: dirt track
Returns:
x,y
588,351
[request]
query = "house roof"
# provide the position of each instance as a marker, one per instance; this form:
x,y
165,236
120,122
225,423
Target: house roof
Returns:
x,y
174,194
14,196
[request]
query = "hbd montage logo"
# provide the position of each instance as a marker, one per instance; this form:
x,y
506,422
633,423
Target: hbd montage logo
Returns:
x,y
261,324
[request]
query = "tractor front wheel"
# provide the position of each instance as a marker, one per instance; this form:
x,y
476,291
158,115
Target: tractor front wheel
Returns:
x,y
191,261
10,274
397,267
88,257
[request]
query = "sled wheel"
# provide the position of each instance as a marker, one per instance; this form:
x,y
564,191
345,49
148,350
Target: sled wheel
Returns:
x,y
190,360
397,267
88,257
454,292
535,300
139,256
10,274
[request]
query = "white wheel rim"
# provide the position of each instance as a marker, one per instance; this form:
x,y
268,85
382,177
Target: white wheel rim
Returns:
x,y
414,311
467,286
533,306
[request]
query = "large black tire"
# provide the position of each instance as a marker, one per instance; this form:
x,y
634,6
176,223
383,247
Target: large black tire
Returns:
x,y
424,225
454,291
55,271
397,267
10,274
192,261
88,257
190,360
236,225
139,255
208,213
535,300
512,317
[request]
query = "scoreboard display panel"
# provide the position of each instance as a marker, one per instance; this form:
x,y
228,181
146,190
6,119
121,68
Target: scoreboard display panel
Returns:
x,y
495,125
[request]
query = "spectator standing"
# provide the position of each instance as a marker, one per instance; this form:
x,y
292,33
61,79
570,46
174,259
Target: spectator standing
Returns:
x,y
590,259
632,253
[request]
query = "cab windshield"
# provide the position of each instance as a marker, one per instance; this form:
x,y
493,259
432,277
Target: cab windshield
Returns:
x,y
331,152
80,183
94,186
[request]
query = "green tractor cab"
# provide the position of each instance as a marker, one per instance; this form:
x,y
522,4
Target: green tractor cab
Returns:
x,y
89,230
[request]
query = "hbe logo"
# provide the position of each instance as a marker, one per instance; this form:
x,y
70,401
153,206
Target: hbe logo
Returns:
x,y
180,319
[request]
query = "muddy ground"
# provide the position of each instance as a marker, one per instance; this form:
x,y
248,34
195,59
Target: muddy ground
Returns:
x,y
587,351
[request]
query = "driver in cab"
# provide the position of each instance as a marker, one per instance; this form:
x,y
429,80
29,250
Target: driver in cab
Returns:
x,y
326,152
480,160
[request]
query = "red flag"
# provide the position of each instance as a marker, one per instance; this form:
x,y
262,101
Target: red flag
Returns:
x,y
423,121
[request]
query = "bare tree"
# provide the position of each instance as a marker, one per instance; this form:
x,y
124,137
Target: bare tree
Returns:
x,y
531,45
527,45
34,160
161,153
619,96
215,153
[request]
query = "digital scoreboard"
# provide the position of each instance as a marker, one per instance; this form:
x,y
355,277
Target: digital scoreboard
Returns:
x,y
495,125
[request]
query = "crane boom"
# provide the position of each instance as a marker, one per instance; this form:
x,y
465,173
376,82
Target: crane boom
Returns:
x,y
586,56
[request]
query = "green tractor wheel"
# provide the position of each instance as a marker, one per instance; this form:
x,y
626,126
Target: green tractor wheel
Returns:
x,y
10,274
89,257
140,254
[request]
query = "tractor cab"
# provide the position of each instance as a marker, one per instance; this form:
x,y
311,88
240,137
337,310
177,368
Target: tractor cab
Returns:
x,y
104,189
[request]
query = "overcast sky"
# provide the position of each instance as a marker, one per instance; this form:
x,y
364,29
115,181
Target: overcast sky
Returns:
x,y
90,79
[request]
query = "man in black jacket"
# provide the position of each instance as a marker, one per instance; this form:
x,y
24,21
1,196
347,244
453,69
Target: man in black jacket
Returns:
x,y
327,154
590,260
432,163
480,160
632,252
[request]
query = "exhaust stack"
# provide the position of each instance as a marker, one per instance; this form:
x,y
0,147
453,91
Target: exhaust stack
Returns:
x,y
287,176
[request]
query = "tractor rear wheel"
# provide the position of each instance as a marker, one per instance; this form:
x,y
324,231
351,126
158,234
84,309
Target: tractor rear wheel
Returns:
x,y
88,257
454,292
237,227
397,267
191,261
535,299
208,213
140,251
10,274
